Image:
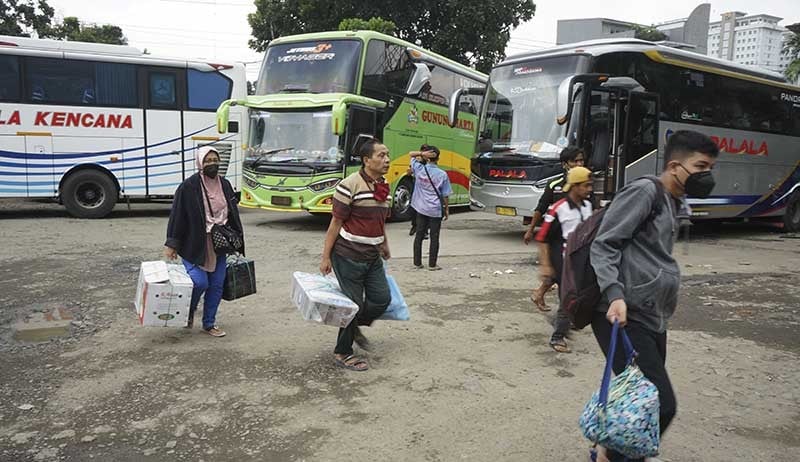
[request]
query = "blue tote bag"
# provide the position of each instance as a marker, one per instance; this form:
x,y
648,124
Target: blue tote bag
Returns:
x,y
623,414
398,308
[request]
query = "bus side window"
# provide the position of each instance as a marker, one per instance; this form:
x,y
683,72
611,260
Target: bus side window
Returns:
x,y
207,90
9,78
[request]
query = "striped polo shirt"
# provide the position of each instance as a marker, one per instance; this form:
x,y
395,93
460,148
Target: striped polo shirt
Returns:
x,y
363,217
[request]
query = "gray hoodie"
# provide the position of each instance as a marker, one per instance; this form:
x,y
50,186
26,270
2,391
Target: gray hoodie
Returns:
x,y
638,267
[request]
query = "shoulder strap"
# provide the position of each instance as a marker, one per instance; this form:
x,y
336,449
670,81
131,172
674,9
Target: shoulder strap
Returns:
x,y
658,205
207,199
435,189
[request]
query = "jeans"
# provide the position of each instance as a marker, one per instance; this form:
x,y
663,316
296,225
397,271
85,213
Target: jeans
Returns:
x,y
364,282
424,223
210,284
652,350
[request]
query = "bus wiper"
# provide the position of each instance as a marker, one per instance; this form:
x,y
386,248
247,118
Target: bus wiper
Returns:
x,y
294,88
261,156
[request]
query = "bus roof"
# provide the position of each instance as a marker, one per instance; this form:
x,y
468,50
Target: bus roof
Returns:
x,y
99,51
366,35
661,53
69,46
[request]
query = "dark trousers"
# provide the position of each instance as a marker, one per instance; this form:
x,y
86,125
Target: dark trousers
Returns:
x,y
364,282
424,223
652,350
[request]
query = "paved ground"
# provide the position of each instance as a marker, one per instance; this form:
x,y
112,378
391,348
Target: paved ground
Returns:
x,y
469,378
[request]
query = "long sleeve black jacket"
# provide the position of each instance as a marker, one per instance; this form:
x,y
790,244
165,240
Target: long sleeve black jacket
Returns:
x,y
186,231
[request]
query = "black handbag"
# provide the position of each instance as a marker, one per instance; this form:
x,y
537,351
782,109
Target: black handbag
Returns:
x,y
240,278
225,239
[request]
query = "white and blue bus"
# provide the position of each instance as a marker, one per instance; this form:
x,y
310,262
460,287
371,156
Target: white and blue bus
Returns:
x,y
90,124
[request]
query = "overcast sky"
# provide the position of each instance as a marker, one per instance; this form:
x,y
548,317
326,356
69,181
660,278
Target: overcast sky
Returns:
x,y
218,29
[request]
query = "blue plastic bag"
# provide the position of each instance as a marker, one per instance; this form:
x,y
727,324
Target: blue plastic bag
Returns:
x,y
623,415
398,308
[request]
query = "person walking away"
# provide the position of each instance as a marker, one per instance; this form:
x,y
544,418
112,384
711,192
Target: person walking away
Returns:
x,y
354,244
201,201
430,199
560,221
632,257
571,156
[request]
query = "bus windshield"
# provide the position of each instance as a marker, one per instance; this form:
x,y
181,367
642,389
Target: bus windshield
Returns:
x,y
293,137
520,112
327,66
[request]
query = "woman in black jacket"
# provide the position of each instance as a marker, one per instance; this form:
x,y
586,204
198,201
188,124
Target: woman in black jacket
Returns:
x,y
201,201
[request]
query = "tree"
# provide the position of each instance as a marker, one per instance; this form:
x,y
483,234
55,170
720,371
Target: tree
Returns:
x,y
649,33
473,32
791,47
72,29
22,18
377,24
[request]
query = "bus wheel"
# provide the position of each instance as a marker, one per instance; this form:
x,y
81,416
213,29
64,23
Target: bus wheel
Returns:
x,y
401,202
89,194
791,218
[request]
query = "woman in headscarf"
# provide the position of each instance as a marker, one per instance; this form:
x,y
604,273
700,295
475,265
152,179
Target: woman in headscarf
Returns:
x,y
201,201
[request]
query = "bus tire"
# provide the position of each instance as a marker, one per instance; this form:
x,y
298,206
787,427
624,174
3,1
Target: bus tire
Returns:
x,y
401,200
89,194
791,217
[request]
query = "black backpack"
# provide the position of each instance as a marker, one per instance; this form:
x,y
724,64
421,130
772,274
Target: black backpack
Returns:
x,y
580,293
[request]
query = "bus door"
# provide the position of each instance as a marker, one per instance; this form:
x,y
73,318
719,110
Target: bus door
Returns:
x,y
598,138
39,165
362,121
637,154
166,157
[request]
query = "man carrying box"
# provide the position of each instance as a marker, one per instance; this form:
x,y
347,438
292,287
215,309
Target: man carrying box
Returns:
x,y
354,245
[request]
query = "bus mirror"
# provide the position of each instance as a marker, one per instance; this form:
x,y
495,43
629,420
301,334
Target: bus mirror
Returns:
x,y
564,99
339,115
452,115
223,113
420,77
623,83
566,90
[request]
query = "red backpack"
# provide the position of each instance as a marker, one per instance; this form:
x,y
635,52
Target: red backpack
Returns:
x,y
580,293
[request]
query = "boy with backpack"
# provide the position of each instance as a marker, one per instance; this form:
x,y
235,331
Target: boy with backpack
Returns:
x,y
633,278
571,156
560,220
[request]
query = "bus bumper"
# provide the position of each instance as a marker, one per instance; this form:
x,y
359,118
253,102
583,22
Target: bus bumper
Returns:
x,y
505,199
322,203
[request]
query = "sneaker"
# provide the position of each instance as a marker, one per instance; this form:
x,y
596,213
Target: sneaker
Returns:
x,y
418,267
435,268
215,332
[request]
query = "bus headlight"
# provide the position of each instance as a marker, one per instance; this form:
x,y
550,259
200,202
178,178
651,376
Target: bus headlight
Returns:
x,y
474,180
323,185
250,182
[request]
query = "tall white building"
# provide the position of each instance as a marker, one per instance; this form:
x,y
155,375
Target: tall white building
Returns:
x,y
755,40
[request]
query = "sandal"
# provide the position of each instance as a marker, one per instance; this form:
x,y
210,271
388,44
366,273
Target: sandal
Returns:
x,y
559,345
351,362
538,299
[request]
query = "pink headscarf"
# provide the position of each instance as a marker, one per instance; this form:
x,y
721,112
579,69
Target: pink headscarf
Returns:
x,y
213,186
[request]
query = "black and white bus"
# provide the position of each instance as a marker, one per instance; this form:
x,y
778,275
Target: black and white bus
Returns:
x,y
620,100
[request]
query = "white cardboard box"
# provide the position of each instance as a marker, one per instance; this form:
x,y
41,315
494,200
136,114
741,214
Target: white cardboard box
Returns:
x,y
319,299
163,295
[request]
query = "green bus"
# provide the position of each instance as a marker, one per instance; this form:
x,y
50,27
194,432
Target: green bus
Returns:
x,y
317,93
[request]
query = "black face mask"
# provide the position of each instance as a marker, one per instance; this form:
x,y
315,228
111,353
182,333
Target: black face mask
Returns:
x,y
211,170
699,184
